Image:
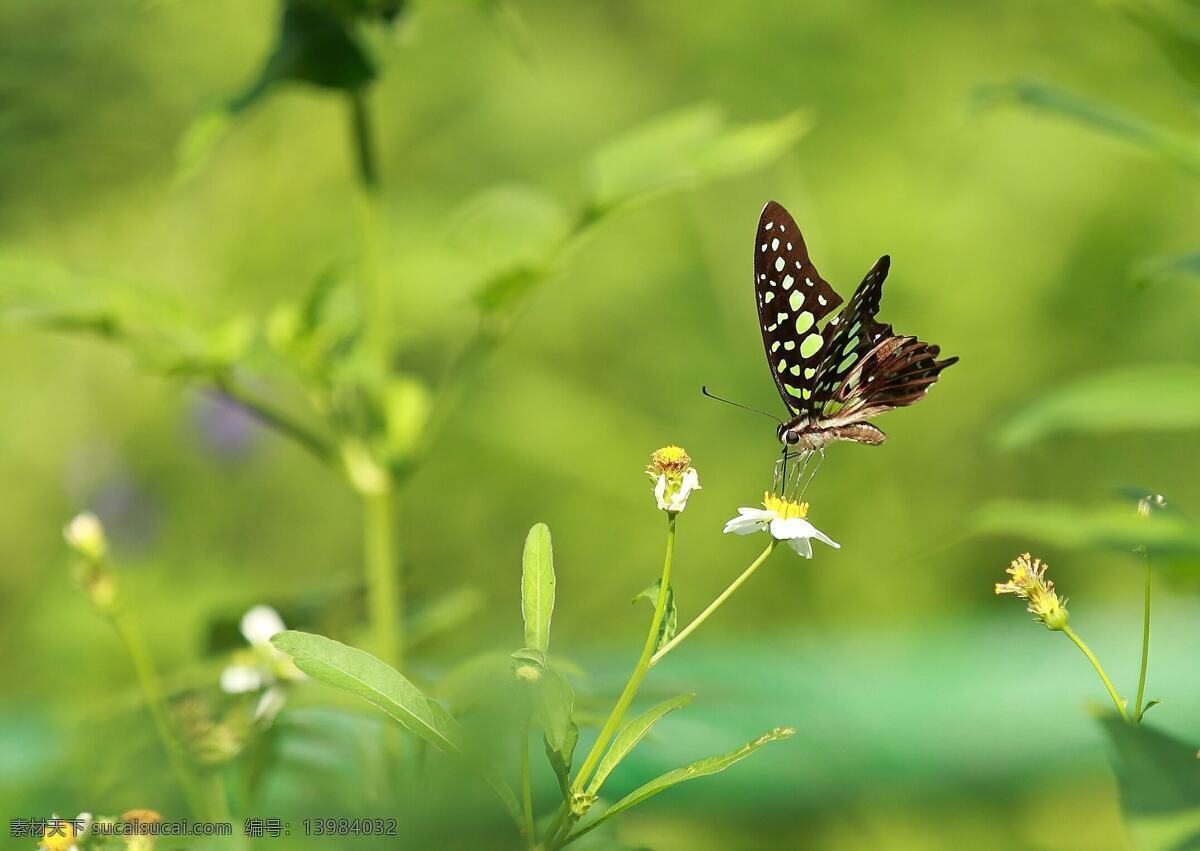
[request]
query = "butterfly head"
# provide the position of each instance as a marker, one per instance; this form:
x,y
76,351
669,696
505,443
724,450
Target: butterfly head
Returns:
x,y
787,434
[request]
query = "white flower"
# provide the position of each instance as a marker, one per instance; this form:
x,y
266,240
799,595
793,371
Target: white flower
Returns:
x,y
260,625
262,664
239,679
674,478
85,535
786,522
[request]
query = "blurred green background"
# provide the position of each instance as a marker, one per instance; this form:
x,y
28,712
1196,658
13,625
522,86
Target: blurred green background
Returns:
x,y
930,714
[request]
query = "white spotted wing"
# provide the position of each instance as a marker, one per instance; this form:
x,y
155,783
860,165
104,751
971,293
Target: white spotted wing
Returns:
x,y
793,300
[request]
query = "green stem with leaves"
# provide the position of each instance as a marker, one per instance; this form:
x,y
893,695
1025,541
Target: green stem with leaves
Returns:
x,y
1116,698
385,601
563,821
1138,708
714,605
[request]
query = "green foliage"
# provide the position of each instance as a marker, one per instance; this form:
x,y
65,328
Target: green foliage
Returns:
x,y
537,587
631,734
360,673
670,622
700,768
1183,151
1159,779
1137,399
1115,527
682,149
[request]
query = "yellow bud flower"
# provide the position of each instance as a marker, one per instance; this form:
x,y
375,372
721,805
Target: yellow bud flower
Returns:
x,y
674,478
1028,581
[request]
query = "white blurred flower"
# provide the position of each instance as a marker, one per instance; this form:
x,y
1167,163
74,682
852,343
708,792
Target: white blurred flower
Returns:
x,y
785,520
260,624
62,834
261,665
85,535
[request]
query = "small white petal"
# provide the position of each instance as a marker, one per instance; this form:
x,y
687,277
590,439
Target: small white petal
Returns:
x,y
803,546
745,525
260,624
660,492
239,679
269,704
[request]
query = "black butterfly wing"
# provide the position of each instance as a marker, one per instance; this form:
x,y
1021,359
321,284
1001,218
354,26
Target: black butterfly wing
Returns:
x,y
792,301
853,334
868,369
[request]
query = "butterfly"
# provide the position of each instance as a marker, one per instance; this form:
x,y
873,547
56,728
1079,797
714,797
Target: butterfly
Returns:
x,y
833,376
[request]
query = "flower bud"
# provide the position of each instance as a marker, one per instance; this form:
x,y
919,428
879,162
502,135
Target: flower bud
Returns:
x,y
85,535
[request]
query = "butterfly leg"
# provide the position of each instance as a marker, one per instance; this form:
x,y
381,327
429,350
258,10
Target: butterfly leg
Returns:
x,y
820,460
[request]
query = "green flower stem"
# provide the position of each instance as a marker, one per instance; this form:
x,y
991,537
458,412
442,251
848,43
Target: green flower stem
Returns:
x,y
1116,698
527,791
384,590
199,800
716,604
1141,689
562,823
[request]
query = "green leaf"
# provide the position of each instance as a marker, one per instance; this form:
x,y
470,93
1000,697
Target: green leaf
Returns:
x,y
362,674
1159,780
1138,399
666,630
537,587
1114,527
1175,26
683,149
312,46
1177,148
1169,269
554,711
700,768
631,734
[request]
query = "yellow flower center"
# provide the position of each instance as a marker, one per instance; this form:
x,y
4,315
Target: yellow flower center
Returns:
x,y
58,835
784,509
669,461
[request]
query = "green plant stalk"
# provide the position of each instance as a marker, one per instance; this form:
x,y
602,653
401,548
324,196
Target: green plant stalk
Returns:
x,y
1141,689
199,800
527,791
383,579
1116,698
385,603
275,419
630,691
714,605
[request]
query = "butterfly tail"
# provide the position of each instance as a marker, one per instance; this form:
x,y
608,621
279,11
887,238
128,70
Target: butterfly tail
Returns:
x,y
898,372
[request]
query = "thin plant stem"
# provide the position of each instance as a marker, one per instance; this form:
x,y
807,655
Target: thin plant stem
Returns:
x,y
639,671
156,701
527,790
1141,689
383,579
273,418
561,822
1116,698
714,605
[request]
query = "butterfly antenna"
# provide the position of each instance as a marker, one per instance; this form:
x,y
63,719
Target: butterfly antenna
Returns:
x,y
704,390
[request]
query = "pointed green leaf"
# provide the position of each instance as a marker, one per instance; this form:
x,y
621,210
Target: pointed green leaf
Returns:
x,y
631,734
1159,780
537,587
670,622
554,711
700,768
362,674
686,148
1176,147
1152,398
